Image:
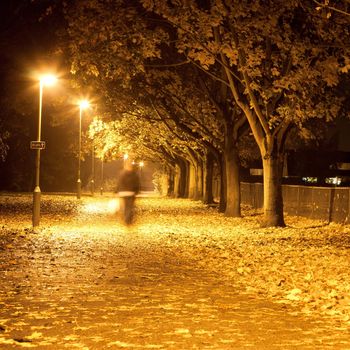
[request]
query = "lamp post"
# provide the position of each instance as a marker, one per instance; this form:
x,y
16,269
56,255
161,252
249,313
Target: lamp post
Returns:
x,y
45,80
92,183
82,105
101,188
141,164
125,157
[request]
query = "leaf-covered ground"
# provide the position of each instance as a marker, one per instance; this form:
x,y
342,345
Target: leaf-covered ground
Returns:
x,y
183,277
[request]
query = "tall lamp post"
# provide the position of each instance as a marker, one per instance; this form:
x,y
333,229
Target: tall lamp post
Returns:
x,y
92,182
141,164
101,188
45,80
82,105
125,157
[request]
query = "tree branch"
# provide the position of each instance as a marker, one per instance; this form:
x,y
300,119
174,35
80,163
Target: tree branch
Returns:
x,y
331,7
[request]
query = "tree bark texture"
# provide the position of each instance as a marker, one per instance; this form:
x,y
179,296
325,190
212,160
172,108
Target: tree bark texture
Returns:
x,y
199,181
273,200
181,179
208,197
191,181
222,204
171,183
233,187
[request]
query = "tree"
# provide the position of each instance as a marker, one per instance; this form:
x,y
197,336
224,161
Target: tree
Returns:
x,y
281,61
135,86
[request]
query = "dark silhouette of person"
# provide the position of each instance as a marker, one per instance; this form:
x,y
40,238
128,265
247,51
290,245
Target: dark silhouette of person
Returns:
x,y
128,187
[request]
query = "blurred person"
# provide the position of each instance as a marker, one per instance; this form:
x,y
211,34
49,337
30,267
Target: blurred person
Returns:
x,y
128,187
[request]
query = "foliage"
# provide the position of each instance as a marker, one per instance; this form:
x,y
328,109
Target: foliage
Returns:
x,y
135,86
281,62
282,66
125,37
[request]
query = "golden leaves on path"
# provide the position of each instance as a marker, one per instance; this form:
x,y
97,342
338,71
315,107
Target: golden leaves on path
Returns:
x,y
83,271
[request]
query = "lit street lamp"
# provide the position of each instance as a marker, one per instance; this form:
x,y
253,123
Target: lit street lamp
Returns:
x,y
45,80
82,105
125,157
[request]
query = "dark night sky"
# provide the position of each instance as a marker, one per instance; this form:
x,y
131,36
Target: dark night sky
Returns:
x,y
27,38
28,41
26,46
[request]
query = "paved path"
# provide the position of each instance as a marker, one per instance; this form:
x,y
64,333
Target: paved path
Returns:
x,y
78,287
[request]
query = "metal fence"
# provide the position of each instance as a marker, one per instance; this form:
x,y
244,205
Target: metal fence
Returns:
x,y
322,203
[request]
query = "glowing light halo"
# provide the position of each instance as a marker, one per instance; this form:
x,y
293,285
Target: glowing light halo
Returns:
x,y
48,79
83,104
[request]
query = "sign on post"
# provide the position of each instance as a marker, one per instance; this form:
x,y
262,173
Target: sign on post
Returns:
x,y
37,144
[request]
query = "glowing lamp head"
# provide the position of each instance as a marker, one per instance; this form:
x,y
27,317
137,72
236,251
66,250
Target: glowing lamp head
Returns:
x,y
126,156
48,80
84,104
142,164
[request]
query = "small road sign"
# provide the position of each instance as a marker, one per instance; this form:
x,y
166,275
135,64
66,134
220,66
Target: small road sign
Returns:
x,y
37,144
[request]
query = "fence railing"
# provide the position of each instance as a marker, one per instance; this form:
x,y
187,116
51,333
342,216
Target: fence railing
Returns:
x,y
322,203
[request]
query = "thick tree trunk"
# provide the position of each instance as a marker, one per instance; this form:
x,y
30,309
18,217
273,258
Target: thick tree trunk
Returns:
x,y
176,181
199,181
222,204
195,181
196,188
181,179
273,200
233,188
208,179
185,165
192,181
232,164
171,181
195,175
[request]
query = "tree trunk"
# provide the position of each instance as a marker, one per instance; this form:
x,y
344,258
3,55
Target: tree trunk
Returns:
x,y
192,181
233,188
208,179
222,204
171,188
185,168
176,181
199,180
196,180
273,200
181,180
232,164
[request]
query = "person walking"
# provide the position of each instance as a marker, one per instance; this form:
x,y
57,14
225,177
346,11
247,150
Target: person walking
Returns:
x,y
128,187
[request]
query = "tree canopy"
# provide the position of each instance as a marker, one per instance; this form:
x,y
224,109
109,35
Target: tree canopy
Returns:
x,y
177,81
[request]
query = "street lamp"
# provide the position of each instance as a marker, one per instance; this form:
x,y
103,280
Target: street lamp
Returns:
x,y
82,105
45,80
141,164
101,188
125,157
92,182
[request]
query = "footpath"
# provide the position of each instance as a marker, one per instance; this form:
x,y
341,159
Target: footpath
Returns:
x,y
84,281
